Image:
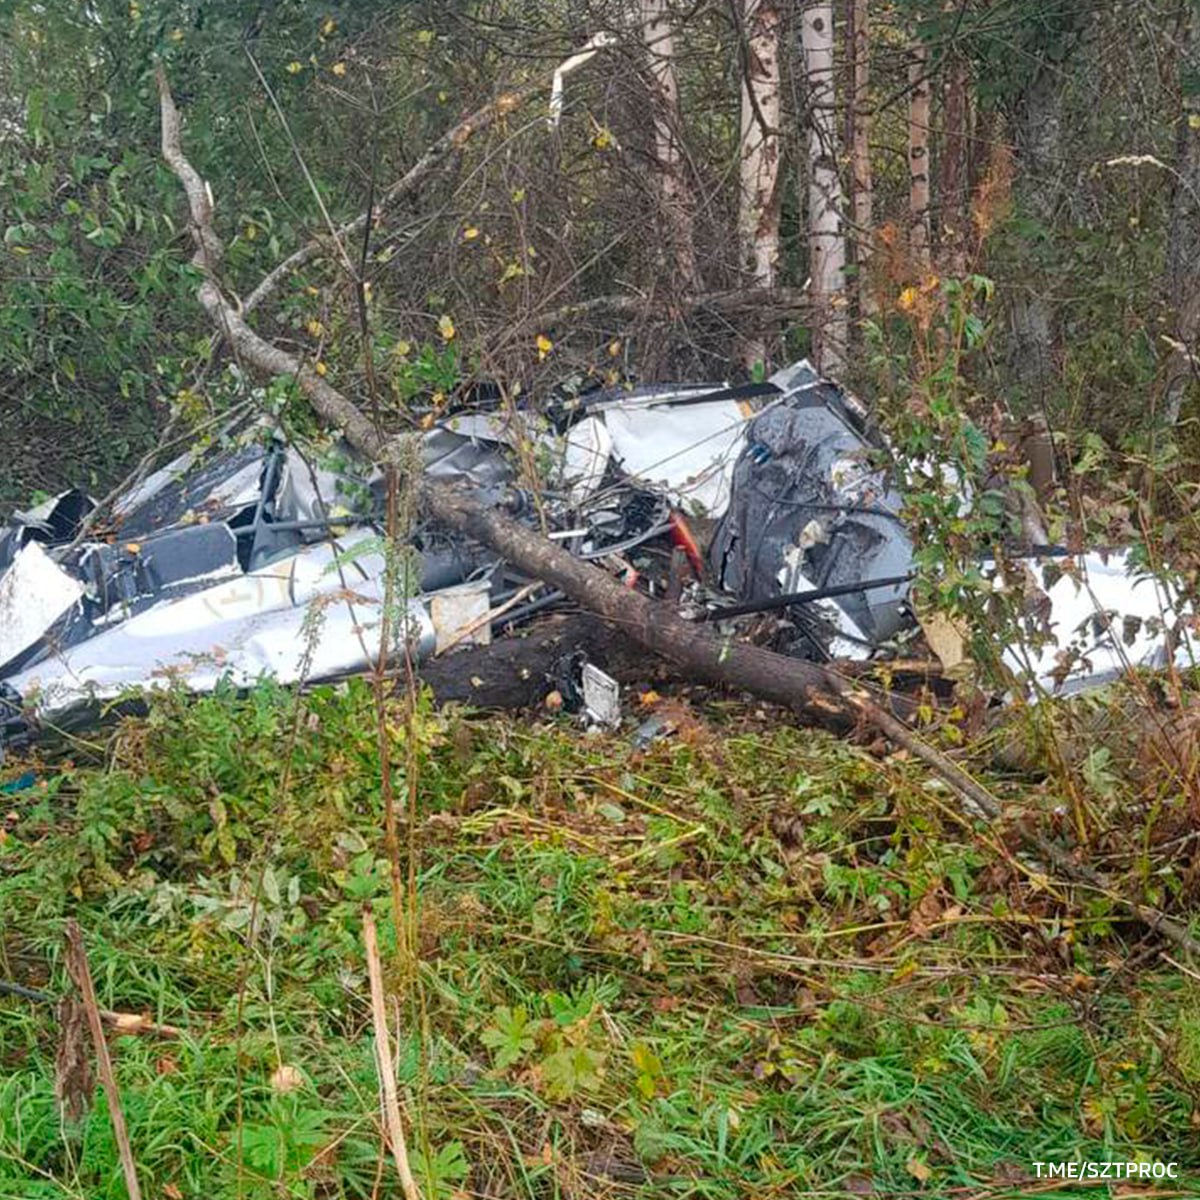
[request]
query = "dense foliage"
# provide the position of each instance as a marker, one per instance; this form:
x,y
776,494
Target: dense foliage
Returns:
x,y
296,112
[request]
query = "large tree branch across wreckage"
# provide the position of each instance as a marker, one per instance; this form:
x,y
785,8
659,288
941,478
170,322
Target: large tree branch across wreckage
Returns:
x,y
815,692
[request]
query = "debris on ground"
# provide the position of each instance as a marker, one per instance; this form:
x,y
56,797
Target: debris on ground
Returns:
x,y
768,502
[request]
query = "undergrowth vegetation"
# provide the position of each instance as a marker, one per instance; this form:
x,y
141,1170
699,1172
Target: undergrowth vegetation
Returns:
x,y
750,960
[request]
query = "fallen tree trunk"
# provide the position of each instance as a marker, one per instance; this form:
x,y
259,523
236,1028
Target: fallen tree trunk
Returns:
x,y
809,689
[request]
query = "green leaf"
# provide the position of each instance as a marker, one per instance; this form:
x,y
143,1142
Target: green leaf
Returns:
x,y
509,1036
572,1069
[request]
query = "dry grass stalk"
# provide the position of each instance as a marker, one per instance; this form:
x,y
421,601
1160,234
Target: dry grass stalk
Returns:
x,y
383,1052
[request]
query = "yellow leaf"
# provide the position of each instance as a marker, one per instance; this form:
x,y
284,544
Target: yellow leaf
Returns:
x,y
329,26
320,368
614,348
518,195
544,346
1194,121
176,35
443,97
603,139
918,1170
338,68
446,327
425,36
315,327
251,232
908,299
438,399
403,347
312,291
470,233
294,68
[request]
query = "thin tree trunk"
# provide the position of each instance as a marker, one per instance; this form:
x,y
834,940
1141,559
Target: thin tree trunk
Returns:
x,y
759,199
952,170
918,156
1183,234
81,972
676,202
1040,184
862,197
827,239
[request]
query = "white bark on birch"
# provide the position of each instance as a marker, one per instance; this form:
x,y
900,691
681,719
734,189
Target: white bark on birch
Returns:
x,y
827,239
676,202
862,196
759,199
918,156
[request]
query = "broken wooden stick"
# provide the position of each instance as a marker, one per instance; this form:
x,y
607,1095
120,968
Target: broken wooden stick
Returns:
x,y
77,965
383,1052
121,1022
810,689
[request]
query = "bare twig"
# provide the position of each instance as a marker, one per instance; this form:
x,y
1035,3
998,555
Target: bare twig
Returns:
x,y
77,964
383,1052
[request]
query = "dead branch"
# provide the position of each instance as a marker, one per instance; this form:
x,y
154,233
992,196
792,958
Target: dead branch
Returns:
x,y
383,1052
773,300
815,692
77,965
121,1022
450,143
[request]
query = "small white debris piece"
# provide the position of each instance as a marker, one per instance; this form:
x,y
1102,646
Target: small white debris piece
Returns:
x,y
459,615
601,697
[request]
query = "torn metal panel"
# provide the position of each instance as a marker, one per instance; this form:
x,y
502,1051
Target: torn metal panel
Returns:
x,y
300,617
50,522
1103,617
190,491
35,593
679,442
810,510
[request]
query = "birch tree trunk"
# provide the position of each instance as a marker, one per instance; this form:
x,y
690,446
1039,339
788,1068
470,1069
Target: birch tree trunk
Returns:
x,y
862,197
918,157
676,202
1183,235
759,198
827,239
